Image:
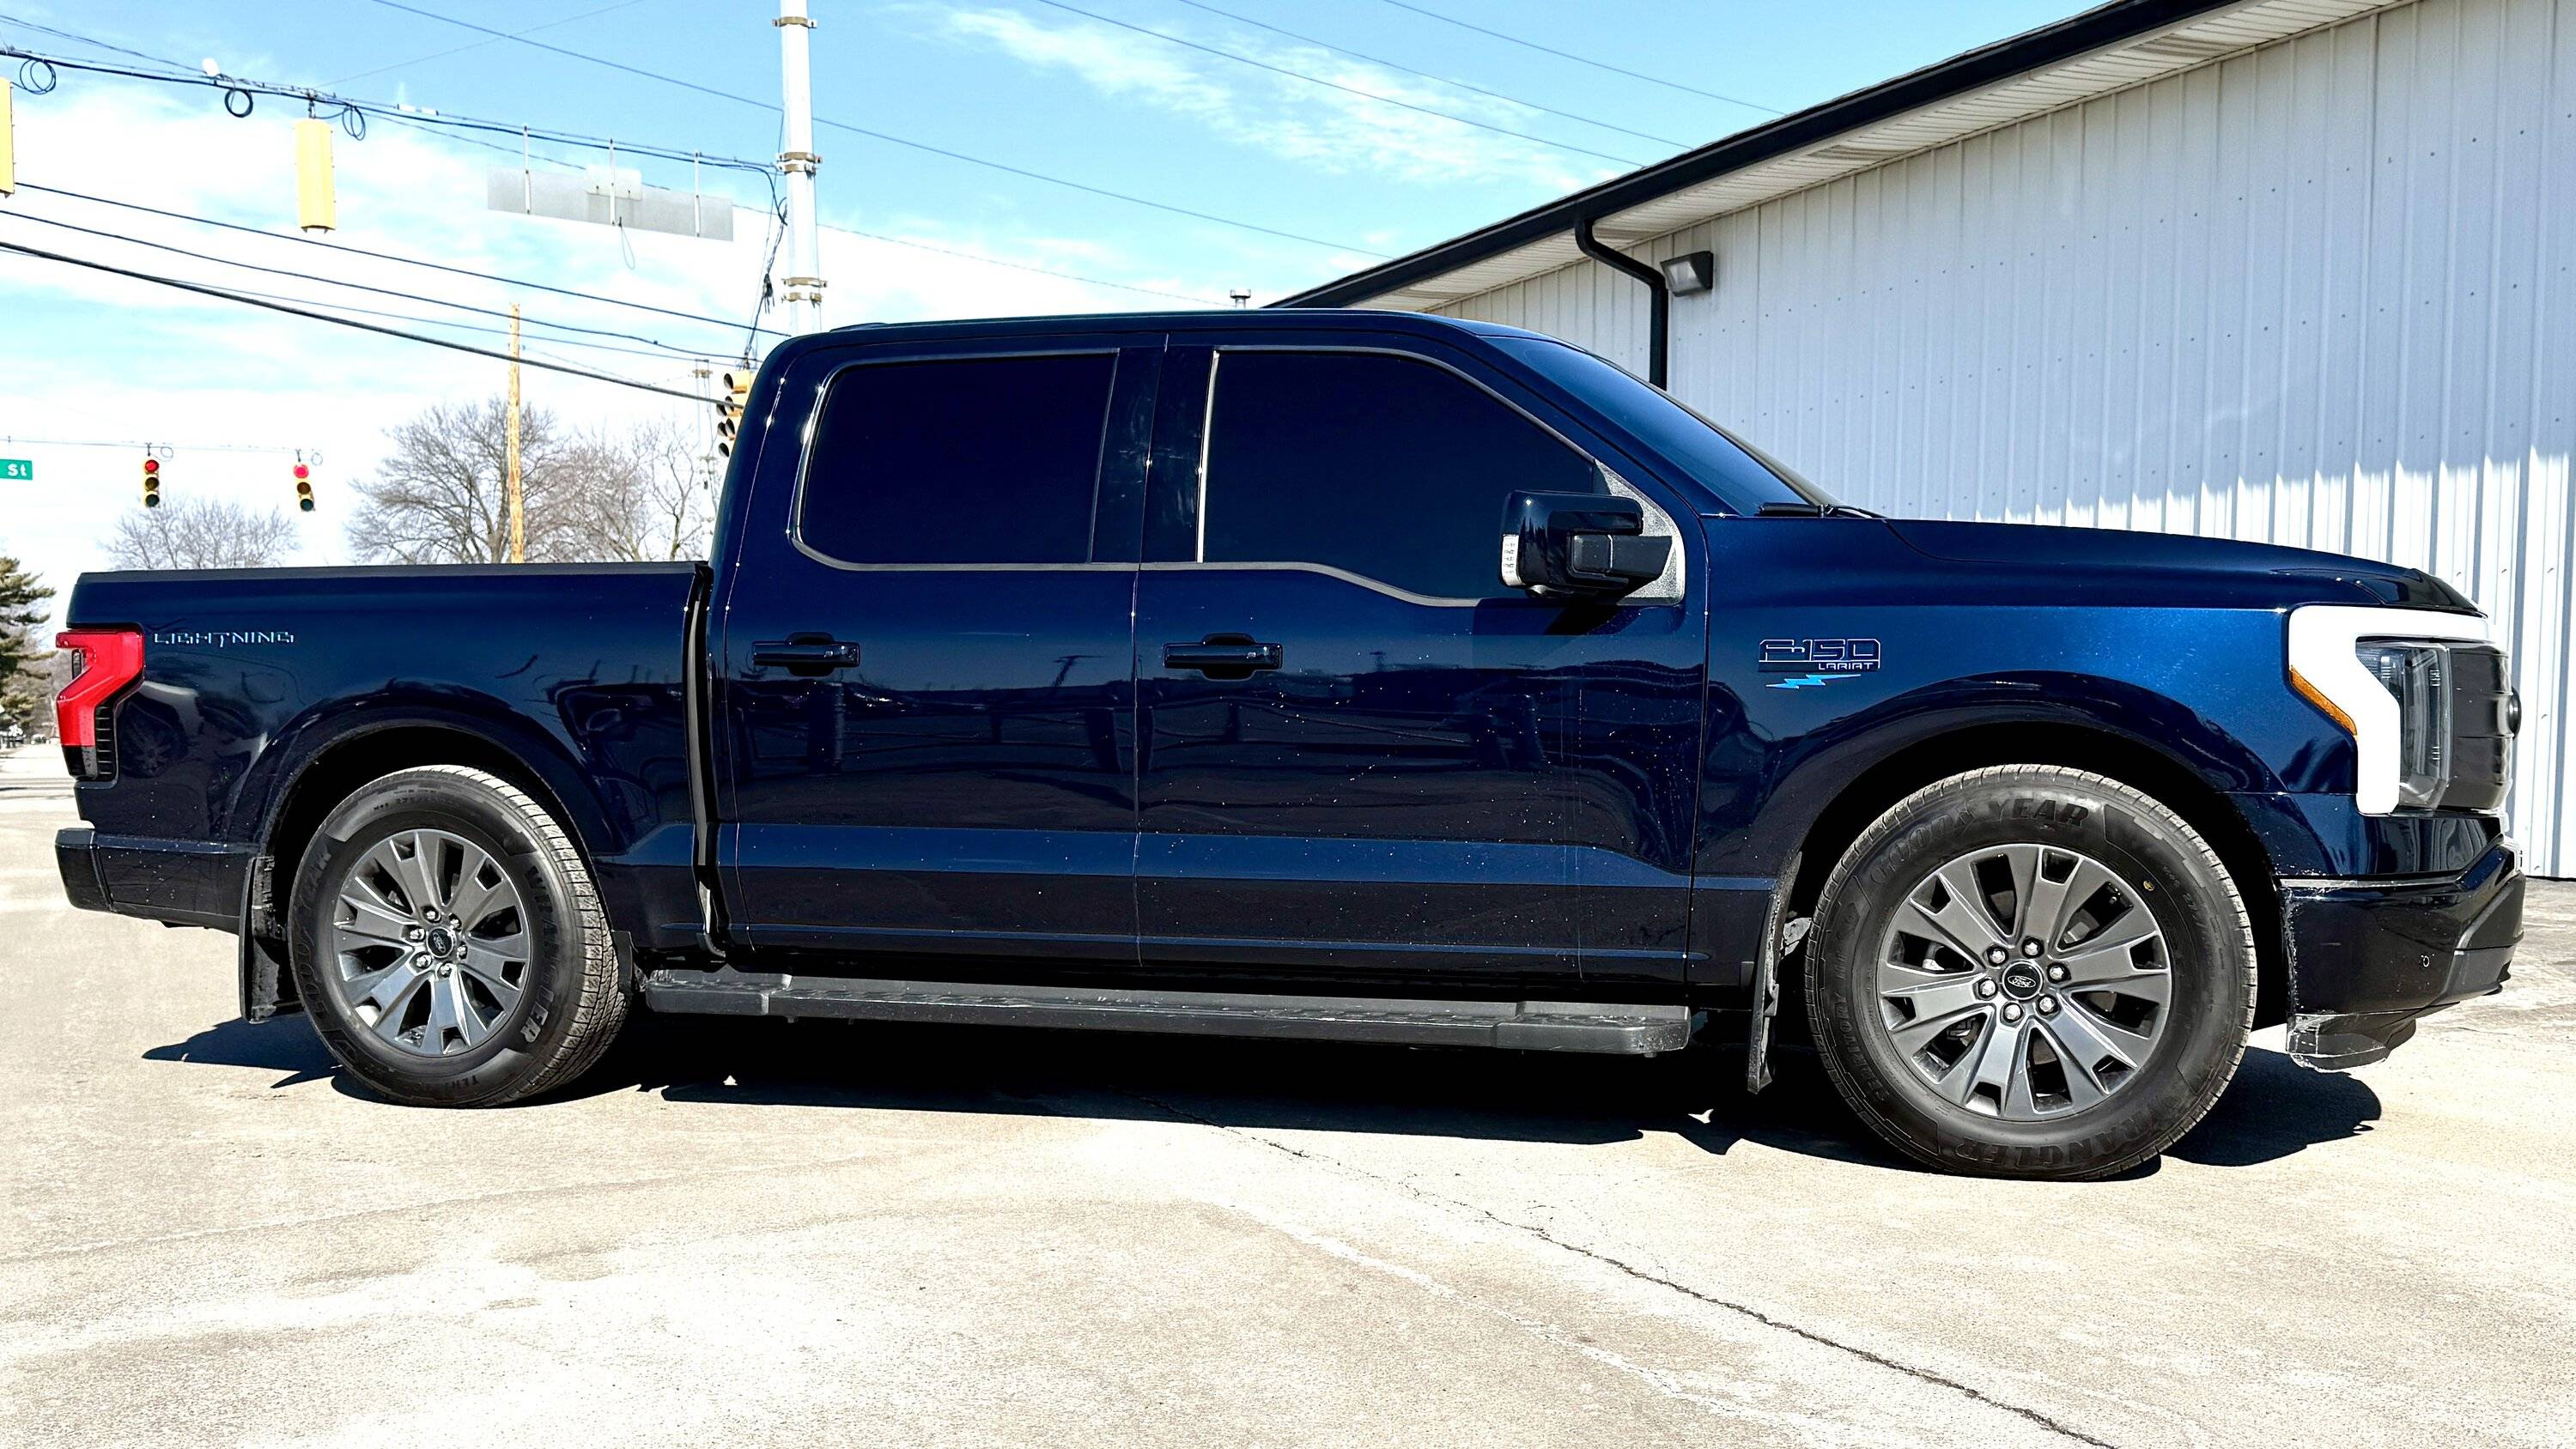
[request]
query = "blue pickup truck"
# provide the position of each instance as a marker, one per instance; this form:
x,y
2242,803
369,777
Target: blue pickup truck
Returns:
x,y
1362,676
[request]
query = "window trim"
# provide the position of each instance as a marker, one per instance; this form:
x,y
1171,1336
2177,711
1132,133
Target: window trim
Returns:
x,y
814,421
1207,436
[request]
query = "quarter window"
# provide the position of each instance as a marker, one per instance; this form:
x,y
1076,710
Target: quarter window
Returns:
x,y
1379,465
977,461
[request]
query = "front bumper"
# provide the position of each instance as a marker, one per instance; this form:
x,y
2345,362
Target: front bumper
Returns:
x,y
2368,958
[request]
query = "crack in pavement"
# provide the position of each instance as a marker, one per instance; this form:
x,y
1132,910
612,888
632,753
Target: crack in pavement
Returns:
x,y
1745,1310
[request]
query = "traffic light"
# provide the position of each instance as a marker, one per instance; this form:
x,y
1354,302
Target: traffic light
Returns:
x,y
303,486
730,407
151,481
316,206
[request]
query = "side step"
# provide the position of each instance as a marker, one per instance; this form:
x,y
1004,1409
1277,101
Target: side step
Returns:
x,y
1625,1028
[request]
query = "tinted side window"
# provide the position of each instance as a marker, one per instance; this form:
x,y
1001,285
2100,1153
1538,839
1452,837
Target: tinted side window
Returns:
x,y
1381,465
983,460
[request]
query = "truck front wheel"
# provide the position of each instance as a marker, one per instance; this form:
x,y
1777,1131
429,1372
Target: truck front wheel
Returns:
x,y
448,943
2029,971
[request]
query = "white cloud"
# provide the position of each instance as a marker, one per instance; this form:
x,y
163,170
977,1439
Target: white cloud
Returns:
x,y
1315,126
91,356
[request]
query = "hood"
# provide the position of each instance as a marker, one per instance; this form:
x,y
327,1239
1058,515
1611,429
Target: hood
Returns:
x,y
2118,558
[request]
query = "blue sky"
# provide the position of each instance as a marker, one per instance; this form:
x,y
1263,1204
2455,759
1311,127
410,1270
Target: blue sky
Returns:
x,y
1023,82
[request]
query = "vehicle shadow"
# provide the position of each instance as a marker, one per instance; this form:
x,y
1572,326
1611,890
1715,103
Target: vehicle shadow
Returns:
x,y
2274,1109
282,1044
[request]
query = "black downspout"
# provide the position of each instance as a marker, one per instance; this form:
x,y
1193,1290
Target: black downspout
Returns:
x,y
1659,300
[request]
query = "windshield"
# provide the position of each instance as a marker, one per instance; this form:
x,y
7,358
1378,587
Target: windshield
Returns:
x,y
1736,471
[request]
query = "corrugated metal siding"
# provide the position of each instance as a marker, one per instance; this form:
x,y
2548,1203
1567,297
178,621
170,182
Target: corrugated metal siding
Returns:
x,y
2319,293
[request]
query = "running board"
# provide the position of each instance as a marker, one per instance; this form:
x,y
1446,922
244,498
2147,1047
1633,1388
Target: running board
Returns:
x,y
1625,1028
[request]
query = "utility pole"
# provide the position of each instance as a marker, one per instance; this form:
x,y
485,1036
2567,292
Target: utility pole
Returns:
x,y
518,504
802,288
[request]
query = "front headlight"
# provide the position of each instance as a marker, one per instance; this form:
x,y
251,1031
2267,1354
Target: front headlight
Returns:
x,y
2427,700
2419,676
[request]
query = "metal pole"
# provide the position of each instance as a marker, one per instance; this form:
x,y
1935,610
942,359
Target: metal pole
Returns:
x,y
801,290
518,506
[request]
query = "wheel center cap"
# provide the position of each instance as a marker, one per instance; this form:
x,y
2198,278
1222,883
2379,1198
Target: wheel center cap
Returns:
x,y
2021,981
439,941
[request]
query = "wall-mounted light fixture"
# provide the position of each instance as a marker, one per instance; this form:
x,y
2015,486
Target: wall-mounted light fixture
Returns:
x,y
1690,273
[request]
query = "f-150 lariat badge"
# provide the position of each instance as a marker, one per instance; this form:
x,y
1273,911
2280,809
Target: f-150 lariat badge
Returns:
x,y
1815,663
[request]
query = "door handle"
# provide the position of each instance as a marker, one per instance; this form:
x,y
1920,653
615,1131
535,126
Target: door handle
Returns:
x,y
806,655
1225,656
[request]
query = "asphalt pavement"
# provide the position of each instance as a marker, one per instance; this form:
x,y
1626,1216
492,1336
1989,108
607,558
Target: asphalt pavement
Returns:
x,y
748,1233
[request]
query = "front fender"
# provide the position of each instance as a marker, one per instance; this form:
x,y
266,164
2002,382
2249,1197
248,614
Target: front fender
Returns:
x,y
1760,803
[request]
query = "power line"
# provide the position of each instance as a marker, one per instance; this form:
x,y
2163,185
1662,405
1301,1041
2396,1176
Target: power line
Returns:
x,y
448,125
9,439
137,206
668,348
665,347
1584,59
1430,76
348,307
247,300
1337,85
353,107
888,137
479,44
100,44
352,115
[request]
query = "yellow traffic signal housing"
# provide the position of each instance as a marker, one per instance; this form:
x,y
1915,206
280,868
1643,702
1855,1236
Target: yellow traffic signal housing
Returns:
x,y
303,487
317,208
730,407
151,481
8,143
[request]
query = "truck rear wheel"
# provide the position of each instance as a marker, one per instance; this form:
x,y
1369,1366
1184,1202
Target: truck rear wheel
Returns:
x,y
448,943
2029,971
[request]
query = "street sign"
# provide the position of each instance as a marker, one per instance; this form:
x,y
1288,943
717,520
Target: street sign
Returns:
x,y
611,195
17,470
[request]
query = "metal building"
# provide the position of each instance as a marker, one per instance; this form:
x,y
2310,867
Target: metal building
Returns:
x,y
2299,271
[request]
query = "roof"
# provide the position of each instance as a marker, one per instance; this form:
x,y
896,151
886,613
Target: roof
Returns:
x,y
1209,320
2108,48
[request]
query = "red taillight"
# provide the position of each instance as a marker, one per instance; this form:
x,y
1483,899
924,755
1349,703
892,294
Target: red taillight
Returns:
x,y
103,662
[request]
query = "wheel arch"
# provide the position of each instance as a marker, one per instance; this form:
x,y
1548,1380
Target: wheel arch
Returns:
x,y
2127,759
332,772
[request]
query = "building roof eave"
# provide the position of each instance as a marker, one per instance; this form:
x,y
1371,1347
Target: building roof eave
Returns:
x,y
2108,47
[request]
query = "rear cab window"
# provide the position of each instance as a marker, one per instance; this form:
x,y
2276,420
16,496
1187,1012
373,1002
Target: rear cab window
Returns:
x,y
981,460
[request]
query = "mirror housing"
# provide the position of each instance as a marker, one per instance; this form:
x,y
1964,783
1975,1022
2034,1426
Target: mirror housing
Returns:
x,y
1579,545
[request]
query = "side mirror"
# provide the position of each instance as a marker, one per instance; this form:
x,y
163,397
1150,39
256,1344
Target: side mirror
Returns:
x,y
1579,545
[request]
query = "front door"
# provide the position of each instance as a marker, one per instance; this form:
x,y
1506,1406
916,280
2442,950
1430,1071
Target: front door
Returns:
x,y
924,665
1359,753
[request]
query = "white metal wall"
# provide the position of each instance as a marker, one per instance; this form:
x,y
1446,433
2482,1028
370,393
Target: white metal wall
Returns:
x,y
2322,293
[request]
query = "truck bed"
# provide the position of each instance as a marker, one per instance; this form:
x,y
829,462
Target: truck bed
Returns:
x,y
254,679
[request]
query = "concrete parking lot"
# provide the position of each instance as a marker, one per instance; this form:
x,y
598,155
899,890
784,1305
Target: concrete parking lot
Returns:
x,y
757,1233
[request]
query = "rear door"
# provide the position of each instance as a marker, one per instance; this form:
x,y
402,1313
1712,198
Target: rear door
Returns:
x,y
924,670
1360,754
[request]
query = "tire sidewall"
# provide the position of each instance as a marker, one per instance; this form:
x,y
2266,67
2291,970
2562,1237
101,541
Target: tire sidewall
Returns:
x,y
2168,870
547,1001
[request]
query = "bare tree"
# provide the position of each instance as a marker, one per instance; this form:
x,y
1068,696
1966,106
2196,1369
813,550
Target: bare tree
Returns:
x,y
439,496
655,498
200,533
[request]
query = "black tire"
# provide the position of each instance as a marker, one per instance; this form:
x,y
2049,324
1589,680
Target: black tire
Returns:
x,y
572,998
2209,957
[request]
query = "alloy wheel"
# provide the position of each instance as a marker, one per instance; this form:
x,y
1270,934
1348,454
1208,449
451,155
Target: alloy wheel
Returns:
x,y
2025,982
429,943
